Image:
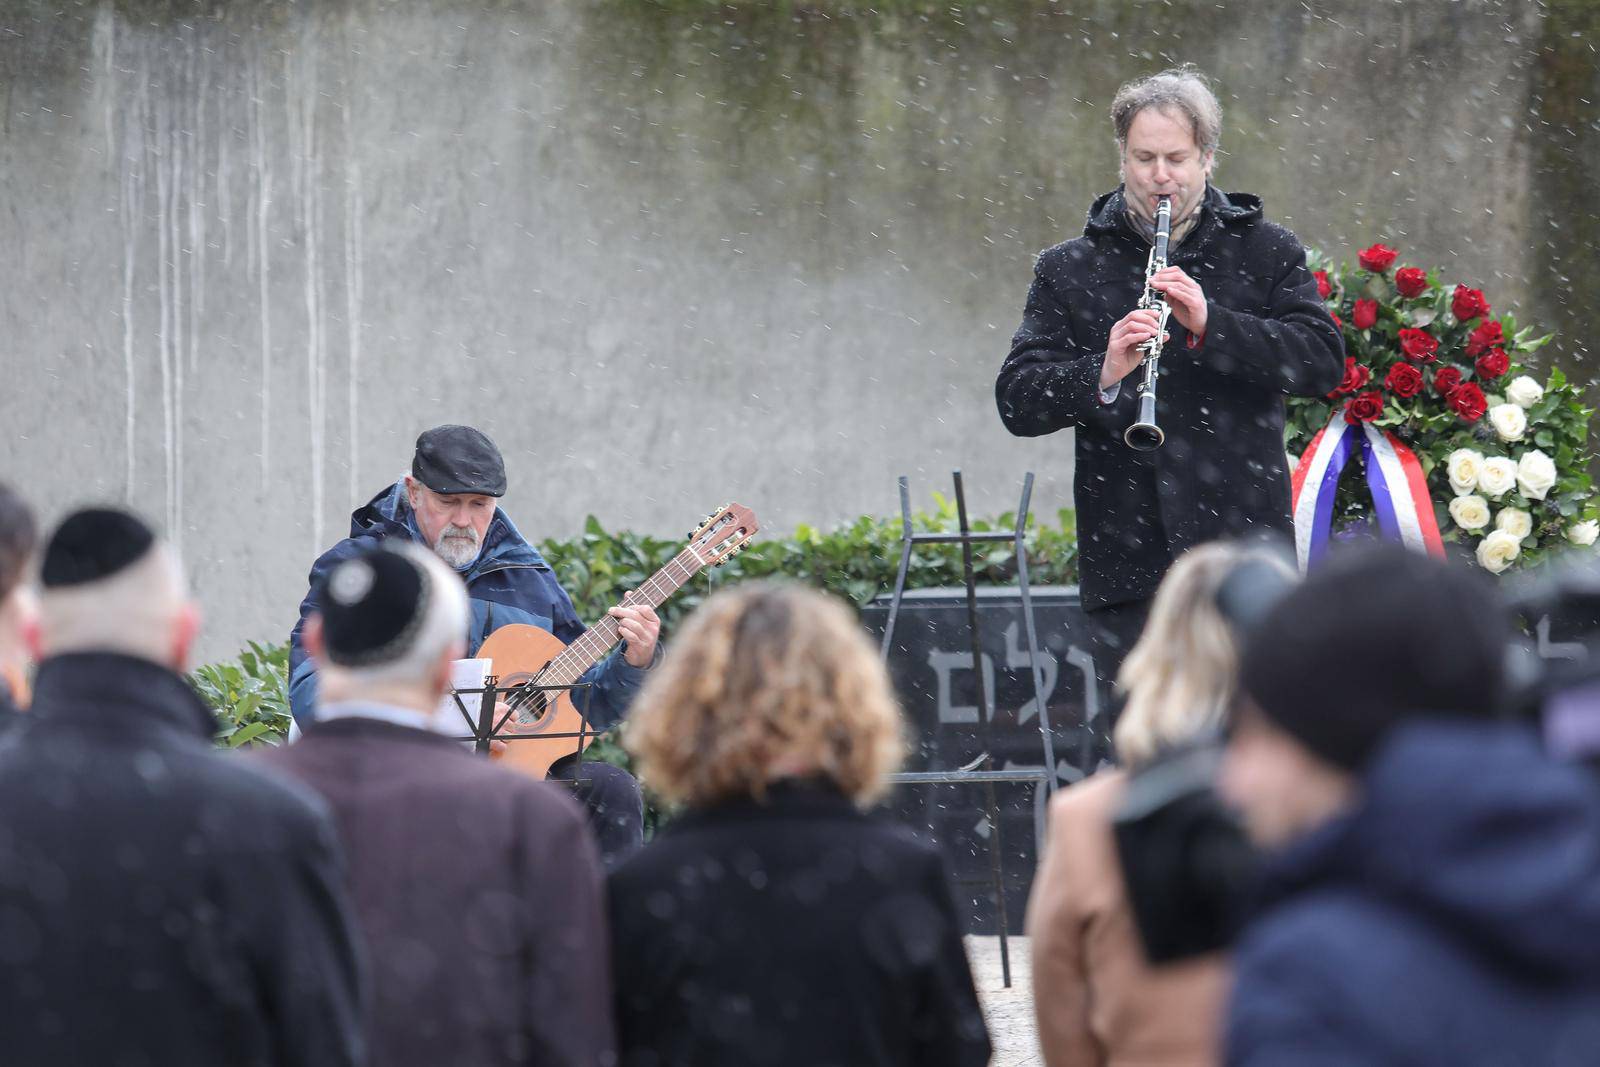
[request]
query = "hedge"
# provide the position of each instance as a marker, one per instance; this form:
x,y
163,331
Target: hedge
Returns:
x,y
856,561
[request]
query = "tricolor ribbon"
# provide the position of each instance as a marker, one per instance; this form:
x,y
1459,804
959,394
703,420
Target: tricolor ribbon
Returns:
x,y
1399,489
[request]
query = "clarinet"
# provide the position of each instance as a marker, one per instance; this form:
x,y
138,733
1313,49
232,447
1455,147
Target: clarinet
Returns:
x,y
1144,435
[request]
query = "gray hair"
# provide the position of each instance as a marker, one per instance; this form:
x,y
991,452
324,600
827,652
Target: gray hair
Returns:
x,y
1183,89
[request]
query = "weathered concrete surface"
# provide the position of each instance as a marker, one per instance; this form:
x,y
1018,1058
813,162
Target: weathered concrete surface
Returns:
x,y
1009,1012
669,254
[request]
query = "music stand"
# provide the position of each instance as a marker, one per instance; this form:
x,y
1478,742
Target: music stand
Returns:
x,y
980,771
487,728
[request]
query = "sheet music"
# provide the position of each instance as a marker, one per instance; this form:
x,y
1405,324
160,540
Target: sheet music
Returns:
x,y
464,674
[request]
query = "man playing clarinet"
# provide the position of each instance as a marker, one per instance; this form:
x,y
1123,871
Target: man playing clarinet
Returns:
x,y
1246,327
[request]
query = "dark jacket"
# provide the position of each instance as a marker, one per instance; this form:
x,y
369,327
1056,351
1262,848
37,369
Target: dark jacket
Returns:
x,y
160,902
1453,918
509,582
10,714
799,932
478,895
1222,470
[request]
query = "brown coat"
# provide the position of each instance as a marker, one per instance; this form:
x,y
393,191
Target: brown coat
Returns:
x,y
478,895
1096,1000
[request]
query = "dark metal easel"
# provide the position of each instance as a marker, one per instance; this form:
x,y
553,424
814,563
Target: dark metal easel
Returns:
x,y
980,771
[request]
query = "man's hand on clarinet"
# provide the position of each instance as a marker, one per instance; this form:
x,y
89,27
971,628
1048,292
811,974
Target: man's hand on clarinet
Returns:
x,y
1122,353
640,628
1184,296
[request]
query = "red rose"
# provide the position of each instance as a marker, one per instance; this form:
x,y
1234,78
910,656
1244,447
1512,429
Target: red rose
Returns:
x,y
1411,281
1403,380
1355,377
1467,401
1418,345
1364,407
1324,286
1377,259
1487,335
1337,321
1493,363
1446,380
1468,304
1365,314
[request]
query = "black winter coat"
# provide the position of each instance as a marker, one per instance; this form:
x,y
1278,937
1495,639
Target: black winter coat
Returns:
x,y
1453,917
1222,470
160,902
479,896
796,932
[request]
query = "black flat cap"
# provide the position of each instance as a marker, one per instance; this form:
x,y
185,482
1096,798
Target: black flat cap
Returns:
x,y
373,606
459,459
1374,637
93,544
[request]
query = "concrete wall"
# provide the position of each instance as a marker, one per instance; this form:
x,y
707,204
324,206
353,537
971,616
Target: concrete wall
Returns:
x,y
667,254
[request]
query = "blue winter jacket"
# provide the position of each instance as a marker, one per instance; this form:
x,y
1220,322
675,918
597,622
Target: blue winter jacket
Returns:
x,y
509,582
1453,918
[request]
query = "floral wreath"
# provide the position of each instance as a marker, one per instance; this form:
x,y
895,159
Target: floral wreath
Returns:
x,y
1461,443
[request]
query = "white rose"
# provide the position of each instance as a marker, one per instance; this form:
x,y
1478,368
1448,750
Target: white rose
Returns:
x,y
1535,475
1496,551
1498,476
1508,421
1464,466
1583,533
1470,512
1524,392
1514,521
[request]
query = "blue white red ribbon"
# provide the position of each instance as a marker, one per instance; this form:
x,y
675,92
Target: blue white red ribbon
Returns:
x,y
1399,489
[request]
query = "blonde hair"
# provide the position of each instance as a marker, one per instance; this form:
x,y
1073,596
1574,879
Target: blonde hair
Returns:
x,y
766,679
1182,674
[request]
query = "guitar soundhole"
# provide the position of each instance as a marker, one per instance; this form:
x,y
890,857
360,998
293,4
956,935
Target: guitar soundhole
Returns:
x,y
530,708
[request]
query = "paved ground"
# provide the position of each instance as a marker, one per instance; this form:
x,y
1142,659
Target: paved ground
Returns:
x,y
1009,1011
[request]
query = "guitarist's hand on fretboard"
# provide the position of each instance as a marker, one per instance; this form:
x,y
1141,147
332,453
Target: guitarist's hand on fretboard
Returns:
x,y
639,626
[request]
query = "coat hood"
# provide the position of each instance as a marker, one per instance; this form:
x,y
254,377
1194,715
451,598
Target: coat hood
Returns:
x,y
1472,828
389,515
1106,214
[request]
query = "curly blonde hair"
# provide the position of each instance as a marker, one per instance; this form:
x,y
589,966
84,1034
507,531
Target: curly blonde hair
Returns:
x,y
766,680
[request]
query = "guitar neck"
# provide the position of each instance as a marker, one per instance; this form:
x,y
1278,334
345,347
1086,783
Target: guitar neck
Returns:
x,y
603,636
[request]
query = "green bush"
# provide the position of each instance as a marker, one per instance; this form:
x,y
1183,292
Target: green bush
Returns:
x,y
250,695
857,561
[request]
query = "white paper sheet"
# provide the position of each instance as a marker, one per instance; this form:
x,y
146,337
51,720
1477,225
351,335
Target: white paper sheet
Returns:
x,y
464,674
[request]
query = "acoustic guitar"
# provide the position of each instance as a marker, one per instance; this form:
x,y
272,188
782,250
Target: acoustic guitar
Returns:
x,y
544,725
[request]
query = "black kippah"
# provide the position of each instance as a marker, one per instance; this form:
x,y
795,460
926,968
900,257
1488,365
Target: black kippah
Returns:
x,y
93,544
373,605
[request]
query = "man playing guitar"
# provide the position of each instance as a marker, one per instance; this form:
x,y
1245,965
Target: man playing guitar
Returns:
x,y
447,503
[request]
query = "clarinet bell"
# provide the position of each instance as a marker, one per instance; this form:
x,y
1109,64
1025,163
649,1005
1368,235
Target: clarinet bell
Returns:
x,y
1143,437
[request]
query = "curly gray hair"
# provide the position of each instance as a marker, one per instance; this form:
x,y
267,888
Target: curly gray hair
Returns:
x,y
1183,89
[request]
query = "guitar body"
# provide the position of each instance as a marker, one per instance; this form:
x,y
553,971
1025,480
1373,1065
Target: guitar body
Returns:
x,y
544,726
518,653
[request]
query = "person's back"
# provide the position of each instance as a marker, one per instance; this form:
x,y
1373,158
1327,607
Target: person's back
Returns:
x,y
477,893
160,903
1432,888
773,923
1096,998
477,889
795,931
1452,917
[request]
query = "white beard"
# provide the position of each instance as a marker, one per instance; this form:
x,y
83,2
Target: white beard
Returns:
x,y
458,546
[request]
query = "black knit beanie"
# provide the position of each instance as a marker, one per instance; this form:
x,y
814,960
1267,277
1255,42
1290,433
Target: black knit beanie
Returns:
x,y
1372,637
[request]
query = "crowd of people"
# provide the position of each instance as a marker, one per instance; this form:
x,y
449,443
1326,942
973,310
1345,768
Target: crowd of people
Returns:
x,y
1428,888
1375,863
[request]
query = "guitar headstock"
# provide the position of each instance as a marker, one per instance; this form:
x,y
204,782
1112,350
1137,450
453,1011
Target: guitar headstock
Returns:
x,y
723,534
